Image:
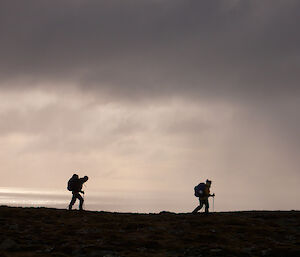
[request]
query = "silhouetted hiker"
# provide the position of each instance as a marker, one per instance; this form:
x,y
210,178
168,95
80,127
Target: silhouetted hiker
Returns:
x,y
75,185
203,192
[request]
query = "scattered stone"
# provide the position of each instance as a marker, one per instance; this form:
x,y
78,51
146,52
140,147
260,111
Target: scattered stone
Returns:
x,y
102,253
216,250
166,212
290,238
13,227
266,252
142,249
47,249
194,252
248,250
83,231
8,244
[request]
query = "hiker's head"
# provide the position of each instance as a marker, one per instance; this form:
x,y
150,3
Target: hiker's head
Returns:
x,y
208,182
85,178
75,176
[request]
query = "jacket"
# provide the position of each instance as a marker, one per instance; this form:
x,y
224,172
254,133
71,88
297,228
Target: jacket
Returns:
x,y
206,193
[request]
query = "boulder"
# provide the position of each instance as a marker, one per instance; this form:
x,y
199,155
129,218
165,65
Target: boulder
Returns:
x,y
8,244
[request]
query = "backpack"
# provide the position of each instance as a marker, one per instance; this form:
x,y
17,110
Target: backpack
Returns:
x,y
199,190
72,184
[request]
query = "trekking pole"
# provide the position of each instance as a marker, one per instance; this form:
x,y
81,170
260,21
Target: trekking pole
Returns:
x,y
83,205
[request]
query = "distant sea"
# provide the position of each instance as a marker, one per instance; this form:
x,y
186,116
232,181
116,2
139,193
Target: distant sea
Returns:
x,y
102,201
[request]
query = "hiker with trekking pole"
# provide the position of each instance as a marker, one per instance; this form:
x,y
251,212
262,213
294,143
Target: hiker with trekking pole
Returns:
x,y
202,191
75,185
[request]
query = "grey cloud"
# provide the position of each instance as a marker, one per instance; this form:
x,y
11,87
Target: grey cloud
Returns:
x,y
150,49
32,121
59,127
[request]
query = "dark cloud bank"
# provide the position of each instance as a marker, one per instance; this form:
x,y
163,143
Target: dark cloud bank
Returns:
x,y
144,49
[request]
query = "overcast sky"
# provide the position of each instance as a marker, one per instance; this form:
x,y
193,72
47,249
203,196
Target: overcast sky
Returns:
x,y
150,97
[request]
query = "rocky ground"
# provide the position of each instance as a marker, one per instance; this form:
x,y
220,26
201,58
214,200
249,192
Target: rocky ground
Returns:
x,y
29,232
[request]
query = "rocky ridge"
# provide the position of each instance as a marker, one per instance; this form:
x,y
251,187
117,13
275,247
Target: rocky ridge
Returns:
x,y
32,232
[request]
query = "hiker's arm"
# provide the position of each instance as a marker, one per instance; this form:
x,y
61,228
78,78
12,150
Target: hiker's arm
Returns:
x,y
82,191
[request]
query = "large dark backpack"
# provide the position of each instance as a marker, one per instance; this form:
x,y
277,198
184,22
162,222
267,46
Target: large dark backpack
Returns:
x,y
73,184
200,190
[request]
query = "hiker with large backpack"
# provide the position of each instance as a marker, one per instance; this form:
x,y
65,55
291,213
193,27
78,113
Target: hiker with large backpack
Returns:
x,y
75,185
202,191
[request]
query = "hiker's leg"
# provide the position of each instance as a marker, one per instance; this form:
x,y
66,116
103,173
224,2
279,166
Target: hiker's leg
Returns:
x,y
198,208
73,200
206,206
80,201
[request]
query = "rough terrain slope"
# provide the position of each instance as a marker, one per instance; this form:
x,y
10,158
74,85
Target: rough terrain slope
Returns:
x,y
29,232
